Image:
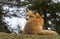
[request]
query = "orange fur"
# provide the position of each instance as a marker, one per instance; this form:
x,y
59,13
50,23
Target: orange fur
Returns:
x,y
35,25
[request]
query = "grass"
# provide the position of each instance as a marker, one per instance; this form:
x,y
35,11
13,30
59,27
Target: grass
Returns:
x,y
25,36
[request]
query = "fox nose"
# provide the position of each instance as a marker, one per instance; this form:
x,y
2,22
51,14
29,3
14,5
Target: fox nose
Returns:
x,y
26,19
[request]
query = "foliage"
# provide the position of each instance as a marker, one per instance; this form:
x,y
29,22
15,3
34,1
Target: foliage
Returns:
x,y
3,27
44,7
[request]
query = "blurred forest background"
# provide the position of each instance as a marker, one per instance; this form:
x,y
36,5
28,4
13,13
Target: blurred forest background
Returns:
x,y
49,9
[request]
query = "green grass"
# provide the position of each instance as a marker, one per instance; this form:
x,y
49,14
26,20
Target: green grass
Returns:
x,y
25,36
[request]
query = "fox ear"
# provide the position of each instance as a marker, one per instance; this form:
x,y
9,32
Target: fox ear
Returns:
x,y
37,15
27,10
35,12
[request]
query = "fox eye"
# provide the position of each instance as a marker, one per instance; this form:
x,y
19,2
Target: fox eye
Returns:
x,y
26,15
31,16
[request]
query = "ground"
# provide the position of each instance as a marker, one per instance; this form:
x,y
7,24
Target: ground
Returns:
x,y
25,36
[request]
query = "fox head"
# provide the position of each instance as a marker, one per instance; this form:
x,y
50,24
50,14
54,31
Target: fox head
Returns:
x,y
32,14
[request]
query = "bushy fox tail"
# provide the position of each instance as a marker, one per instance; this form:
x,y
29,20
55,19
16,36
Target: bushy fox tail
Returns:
x,y
47,32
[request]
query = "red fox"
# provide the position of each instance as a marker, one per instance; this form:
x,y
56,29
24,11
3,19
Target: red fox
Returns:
x,y
35,23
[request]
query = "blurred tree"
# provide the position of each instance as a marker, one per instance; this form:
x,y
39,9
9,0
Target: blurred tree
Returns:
x,y
3,27
48,8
